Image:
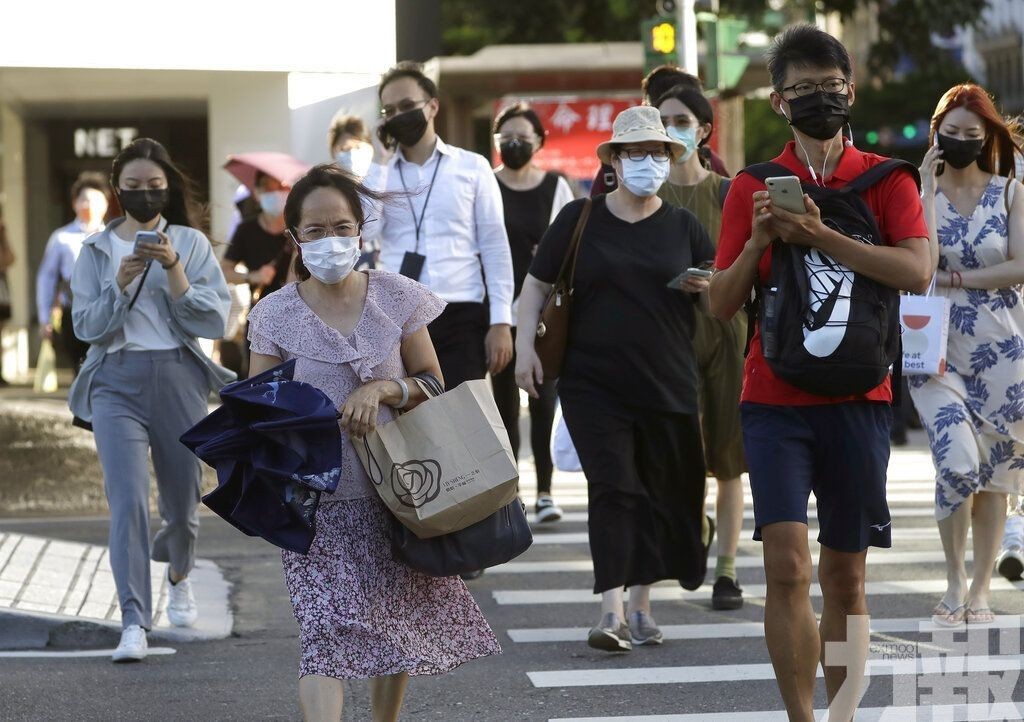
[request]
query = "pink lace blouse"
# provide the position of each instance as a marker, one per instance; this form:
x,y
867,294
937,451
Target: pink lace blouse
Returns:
x,y
282,325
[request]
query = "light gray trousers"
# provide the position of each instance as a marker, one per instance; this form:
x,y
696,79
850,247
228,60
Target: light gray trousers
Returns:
x,y
144,400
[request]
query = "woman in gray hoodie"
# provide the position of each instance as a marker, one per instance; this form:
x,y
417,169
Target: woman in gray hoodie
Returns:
x,y
143,290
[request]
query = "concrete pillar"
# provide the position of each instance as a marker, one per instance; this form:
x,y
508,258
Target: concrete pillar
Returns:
x,y
729,127
14,346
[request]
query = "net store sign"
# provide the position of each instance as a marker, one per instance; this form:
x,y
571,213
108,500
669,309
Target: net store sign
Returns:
x,y
102,142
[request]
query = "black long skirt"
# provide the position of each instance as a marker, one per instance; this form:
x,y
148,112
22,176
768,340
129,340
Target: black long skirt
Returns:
x,y
646,482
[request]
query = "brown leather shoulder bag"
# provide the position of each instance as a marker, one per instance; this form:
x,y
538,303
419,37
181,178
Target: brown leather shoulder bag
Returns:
x,y
553,328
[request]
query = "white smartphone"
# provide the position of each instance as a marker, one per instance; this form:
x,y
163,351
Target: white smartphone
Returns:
x,y
786,193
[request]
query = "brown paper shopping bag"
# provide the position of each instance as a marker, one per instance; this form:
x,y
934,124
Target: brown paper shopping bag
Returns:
x,y
446,464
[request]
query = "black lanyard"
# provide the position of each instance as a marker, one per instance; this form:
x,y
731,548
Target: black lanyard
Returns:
x,y
418,222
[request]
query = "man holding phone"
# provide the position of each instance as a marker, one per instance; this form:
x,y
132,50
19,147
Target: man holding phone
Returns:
x,y
797,442
445,228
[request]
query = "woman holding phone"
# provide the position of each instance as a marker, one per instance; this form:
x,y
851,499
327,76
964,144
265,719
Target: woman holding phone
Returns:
x,y
719,345
973,412
144,289
629,382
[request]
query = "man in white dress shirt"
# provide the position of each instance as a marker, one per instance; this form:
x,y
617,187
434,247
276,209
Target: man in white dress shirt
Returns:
x,y
53,280
445,227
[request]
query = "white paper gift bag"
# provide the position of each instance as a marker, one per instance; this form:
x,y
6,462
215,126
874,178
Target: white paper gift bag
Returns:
x,y
924,321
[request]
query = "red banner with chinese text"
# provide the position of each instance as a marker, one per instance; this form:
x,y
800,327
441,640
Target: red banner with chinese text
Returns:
x,y
575,127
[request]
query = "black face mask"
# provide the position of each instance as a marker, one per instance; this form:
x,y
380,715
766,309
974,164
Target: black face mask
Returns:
x,y
515,153
407,128
820,115
959,153
144,205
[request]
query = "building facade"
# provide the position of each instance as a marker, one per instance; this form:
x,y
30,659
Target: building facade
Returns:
x,y
205,79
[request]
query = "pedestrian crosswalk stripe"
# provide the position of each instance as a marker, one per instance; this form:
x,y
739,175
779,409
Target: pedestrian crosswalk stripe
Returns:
x,y
571,517
875,556
947,712
581,537
739,630
718,673
670,591
580,498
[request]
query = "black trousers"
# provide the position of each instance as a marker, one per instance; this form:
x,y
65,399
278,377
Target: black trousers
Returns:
x,y
645,486
542,418
75,348
458,335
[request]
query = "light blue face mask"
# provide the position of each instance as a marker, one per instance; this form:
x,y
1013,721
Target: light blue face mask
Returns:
x,y
686,136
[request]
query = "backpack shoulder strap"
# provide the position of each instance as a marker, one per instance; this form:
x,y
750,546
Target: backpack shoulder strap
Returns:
x,y
762,171
723,191
877,173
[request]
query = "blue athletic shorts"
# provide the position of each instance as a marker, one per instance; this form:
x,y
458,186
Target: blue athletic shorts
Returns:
x,y
840,452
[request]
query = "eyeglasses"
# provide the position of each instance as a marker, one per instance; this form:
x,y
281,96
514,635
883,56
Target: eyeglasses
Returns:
x,y
832,85
637,154
318,233
529,138
390,111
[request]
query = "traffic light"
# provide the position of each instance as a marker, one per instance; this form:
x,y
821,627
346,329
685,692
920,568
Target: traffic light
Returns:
x,y
661,42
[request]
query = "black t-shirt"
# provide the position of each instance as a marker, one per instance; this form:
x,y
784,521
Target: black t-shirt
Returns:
x,y
629,334
254,247
527,216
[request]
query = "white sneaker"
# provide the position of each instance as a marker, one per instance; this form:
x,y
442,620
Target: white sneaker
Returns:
x,y
1010,563
181,604
133,646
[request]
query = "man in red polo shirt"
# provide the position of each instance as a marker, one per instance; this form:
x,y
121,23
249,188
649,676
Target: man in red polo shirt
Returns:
x,y
797,442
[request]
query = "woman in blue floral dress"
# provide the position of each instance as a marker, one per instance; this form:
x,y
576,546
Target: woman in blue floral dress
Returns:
x,y
974,412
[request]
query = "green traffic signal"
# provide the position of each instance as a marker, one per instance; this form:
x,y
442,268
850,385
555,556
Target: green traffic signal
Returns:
x,y
872,137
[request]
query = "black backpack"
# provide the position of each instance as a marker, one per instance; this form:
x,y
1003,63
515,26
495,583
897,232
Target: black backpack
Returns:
x,y
825,329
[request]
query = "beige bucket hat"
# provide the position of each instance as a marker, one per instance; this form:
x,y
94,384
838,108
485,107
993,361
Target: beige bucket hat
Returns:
x,y
639,124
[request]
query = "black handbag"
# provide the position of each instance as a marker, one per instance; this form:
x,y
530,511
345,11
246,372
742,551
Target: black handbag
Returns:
x,y
499,538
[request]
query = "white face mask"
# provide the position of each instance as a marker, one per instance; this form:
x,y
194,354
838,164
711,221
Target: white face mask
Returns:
x,y
272,202
356,160
330,259
644,177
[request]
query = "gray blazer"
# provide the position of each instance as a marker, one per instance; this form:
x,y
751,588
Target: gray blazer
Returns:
x,y
99,307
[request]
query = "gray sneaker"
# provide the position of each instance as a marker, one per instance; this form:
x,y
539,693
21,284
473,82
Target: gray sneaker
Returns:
x,y
611,635
643,630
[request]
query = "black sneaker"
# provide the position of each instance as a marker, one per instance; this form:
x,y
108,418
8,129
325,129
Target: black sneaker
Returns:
x,y
546,509
726,594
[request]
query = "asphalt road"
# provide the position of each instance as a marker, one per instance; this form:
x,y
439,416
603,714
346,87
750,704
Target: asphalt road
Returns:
x,y
252,675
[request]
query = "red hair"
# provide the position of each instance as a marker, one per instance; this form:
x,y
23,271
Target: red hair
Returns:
x,y
997,153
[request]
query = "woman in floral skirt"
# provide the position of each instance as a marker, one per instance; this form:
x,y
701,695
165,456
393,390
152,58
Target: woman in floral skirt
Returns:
x,y
974,412
358,336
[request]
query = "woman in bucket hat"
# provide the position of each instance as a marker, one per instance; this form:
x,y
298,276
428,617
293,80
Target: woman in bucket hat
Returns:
x,y
629,383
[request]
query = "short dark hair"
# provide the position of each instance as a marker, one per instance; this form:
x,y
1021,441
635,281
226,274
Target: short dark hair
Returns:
x,y
325,175
662,78
806,46
695,101
89,179
408,69
344,124
520,110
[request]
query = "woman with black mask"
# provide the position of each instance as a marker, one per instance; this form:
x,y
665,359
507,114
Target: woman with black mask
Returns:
x,y
531,198
144,289
973,411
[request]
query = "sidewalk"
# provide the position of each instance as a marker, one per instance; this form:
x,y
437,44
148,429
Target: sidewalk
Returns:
x,y
51,588
47,466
